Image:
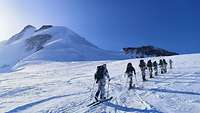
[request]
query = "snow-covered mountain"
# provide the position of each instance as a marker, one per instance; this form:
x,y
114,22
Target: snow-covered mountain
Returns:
x,y
51,43
146,51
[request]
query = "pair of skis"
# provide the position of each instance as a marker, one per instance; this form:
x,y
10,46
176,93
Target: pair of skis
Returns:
x,y
93,104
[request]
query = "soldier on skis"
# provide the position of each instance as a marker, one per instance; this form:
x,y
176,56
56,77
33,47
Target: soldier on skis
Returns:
x,y
165,65
161,66
143,68
101,76
155,67
129,71
170,63
150,68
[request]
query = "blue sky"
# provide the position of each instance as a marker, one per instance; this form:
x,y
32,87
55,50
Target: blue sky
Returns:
x,y
112,24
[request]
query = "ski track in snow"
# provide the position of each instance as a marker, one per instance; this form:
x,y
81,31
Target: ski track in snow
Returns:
x,y
68,87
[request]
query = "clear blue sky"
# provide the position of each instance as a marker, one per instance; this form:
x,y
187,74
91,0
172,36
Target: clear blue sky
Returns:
x,y
113,24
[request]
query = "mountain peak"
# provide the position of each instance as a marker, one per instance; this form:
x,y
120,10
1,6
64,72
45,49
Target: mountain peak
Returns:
x,y
29,26
44,27
24,33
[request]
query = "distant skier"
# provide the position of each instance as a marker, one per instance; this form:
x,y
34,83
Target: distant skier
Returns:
x,y
155,67
165,65
129,71
170,63
161,66
143,68
150,68
100,76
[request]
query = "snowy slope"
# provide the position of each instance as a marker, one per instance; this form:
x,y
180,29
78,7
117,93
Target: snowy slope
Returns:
x,y
51,43
13,50
67,87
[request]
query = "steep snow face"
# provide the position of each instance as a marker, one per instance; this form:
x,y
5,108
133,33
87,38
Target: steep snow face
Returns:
x,y
25,33
13,50
51,43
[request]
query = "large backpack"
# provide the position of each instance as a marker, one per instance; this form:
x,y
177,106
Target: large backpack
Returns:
x,y
100,73
142,64
155,64
149,64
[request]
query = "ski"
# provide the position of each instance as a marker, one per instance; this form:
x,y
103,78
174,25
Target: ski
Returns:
x,y
100,101
92,103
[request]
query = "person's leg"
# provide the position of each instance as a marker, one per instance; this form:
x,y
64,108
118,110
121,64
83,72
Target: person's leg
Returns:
x,y
130,82
97,93
162,69
156,71
170,65
102,96
151,73
143,75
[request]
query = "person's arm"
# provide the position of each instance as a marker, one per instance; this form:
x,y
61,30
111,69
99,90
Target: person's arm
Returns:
x,y
95,77
107,74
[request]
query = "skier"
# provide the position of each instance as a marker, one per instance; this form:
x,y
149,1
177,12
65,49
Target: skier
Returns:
x,y
165,65
155,65
150,65
170,63
143,67
129,71
161,66
100,76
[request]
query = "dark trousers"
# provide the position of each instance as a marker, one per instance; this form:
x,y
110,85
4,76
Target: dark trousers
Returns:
x,y
130,81
151,72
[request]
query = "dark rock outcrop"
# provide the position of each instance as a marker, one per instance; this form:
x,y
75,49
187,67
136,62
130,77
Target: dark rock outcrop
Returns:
x,y
37,42
147,51
44,27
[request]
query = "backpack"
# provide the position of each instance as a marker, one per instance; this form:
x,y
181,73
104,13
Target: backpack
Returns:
x,y
100,73
155,64
142,64
149,64
161,62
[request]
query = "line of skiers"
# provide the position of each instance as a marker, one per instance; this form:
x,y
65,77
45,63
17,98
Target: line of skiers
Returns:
x,y
102,75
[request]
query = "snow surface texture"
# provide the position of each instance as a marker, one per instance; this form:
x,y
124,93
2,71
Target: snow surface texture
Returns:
x,y
54,43
68,87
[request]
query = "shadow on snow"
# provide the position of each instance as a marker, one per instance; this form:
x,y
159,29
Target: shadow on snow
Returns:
x,y
169,91
127,109
26,106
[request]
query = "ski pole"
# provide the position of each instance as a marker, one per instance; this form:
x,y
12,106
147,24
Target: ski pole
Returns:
x,y
126,81
108,88
135,78
92,91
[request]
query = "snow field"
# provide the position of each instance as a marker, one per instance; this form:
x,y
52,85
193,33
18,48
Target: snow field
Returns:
x,y
68,87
